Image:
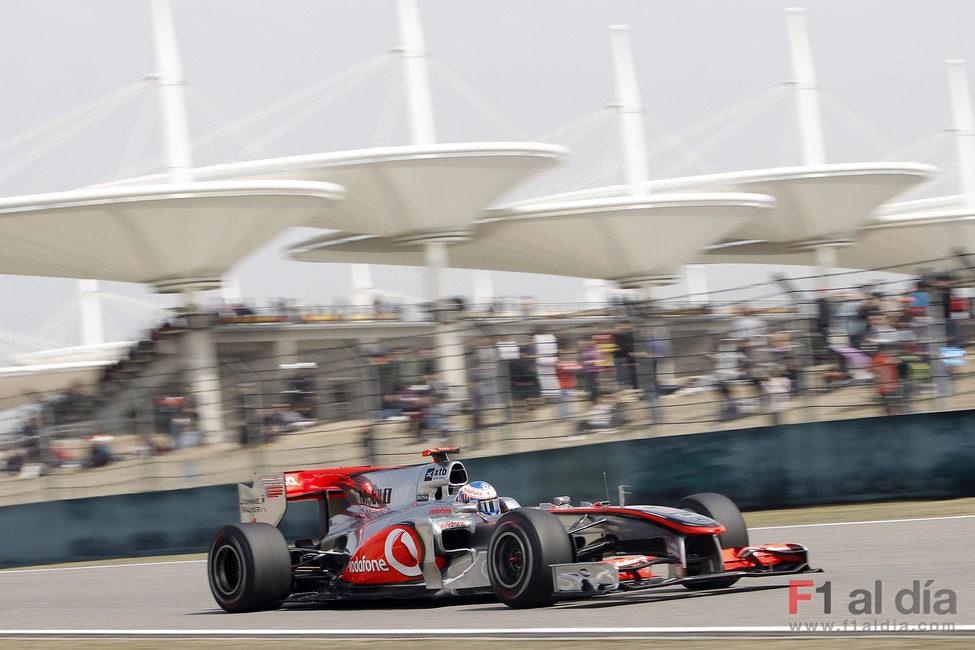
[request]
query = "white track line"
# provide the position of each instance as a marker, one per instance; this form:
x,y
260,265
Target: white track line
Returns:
x,y
99,566
857,523
838,523
476,632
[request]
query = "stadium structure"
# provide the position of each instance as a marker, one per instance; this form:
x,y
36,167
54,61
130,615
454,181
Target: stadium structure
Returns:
x,y
435,205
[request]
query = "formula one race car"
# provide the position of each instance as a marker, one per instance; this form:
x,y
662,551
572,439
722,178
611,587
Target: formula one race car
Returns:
x,y
428,531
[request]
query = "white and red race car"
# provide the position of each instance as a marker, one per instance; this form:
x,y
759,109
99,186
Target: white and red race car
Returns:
x,y
427,531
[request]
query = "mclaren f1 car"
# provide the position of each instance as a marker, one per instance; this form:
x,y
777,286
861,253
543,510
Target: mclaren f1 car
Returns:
x,y
428,531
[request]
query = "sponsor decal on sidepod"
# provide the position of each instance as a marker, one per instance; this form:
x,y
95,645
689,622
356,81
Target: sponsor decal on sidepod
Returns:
x,y
392,555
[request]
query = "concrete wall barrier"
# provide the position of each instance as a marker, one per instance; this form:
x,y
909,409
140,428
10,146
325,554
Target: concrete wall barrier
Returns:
x,y
929,455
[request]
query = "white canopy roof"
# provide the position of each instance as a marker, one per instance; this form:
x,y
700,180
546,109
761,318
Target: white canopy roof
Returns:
x,y
406,191
899,236
635,241
814,202
173,236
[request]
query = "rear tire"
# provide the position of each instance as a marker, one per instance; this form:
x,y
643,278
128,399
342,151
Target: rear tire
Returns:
x,y
525,543
249,567
724,511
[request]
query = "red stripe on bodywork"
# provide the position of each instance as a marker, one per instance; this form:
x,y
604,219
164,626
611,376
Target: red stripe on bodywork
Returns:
x,y
313,483
694,530
764,555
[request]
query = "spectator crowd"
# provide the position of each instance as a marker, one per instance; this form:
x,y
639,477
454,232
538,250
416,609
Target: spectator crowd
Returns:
x,y
901,346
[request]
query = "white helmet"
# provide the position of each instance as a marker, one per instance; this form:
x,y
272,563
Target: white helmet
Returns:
x,y
483,494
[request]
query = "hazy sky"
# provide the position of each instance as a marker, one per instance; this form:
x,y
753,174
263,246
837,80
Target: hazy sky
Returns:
x,y
541,64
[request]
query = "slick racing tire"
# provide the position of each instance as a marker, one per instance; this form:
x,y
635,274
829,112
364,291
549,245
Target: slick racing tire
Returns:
x,y
525,543
249,567
724,511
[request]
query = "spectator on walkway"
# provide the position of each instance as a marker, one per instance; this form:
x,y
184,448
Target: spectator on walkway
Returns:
x,y
167,410
659,359
886,368
606,347
786,358
824,318
101,451
916,372
247,419
590,358
624,355
390,406
749,331
427,408
728,409
546,354
958,317
879,332
31,437
508,354
427,360
729,363
869,306
919,300
566,369
524,382
778,388
485,372
189,412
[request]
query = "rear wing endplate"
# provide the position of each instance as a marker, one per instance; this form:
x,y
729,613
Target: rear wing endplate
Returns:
x,y
264,500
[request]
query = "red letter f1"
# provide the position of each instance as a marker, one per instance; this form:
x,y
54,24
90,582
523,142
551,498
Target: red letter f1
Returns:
x,y
795,596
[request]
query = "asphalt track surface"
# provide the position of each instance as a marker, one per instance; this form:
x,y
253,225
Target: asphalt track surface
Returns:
x,y
174,597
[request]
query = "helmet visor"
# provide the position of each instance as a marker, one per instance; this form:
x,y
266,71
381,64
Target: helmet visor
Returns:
x,y
489,506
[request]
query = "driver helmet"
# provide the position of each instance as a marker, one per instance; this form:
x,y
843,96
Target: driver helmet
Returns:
x,y
483,494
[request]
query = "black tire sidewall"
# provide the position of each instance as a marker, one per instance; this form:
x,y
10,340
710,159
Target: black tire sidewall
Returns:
x,y
724,511
532,550
228,537
265,567
544,541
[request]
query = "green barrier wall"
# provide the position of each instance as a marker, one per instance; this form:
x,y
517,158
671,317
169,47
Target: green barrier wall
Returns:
x,y
930,455
127,525
908,456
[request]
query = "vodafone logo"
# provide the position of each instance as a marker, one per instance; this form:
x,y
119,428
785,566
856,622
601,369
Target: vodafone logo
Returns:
x,y
401,552
367,566
391,555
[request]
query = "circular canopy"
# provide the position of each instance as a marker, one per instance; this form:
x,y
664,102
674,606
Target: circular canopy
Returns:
x,y
636,241
817,202
406,191
173,236
896,237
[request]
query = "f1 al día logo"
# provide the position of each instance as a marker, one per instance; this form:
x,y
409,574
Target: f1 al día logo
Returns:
x,y
920,597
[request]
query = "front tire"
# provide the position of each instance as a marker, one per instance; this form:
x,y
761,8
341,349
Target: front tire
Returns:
x,y
249,567
525,543
724,511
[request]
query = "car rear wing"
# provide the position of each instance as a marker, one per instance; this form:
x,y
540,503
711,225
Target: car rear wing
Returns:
x,y
266,499
263,501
